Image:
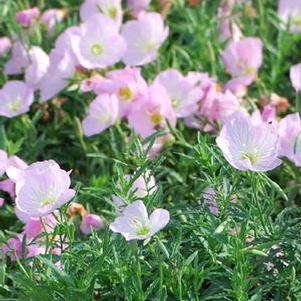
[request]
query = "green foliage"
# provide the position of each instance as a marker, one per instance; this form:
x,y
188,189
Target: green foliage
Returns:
x,y
250,251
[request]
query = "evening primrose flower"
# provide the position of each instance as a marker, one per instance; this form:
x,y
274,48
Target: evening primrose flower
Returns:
x,y
19,59
15,99
151,115
109,8
103,113
295,76
41,188
5,45
39,63
91,222
144,37
242,59
247,145
127,84
183,94
138,6
145,184
289,12
136,224
99,44
27,17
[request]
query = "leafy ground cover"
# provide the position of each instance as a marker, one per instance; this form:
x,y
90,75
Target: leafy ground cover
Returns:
x,y
226,210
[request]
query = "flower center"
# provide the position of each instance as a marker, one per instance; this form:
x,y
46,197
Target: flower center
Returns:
x,y
97,49
249,70
174,102
251,157
150,46
125,94
156,118
15,105
144,230
49,200
296,18
112,12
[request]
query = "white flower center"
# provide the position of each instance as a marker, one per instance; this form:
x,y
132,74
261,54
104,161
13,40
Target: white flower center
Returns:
x,y
97,49
15,105
141,228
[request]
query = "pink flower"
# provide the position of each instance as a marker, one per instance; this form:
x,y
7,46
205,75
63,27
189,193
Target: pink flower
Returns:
x,y
295,76
91,222
109,8
210,200
183,94
51,17
8,186
127,84
16,99
18,61
144,37
103,113
13,247
39,63
41,188
289,129
5,45
220,106
26,17
6,162
289,12
144,185
59,73
137,6
155,109
238,86
242,59
135,223
99,44
249,146
91,83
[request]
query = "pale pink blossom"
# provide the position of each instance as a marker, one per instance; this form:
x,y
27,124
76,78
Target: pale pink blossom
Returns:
x,y
249,146
2,202
19,59
220,106
289,129
127,84
110,8
210,200
242,59
135,224
6,162
27,17
5,45
41,188
154,112
103,113
16,99
58,75
51,17
183,94
144,185
39,64
8,186
138,6
91,222
99,44
295,76
289,12
91,83
144,37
